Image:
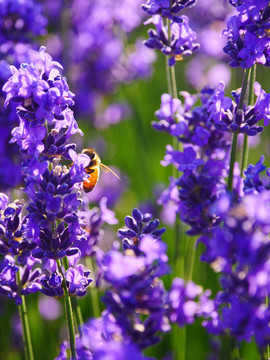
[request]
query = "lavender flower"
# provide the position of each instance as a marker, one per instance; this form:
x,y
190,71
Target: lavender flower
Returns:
x,y
93,220
203,160
21,23
29,278
246,32
252,183
133,277
166,8
239,248
52,225
13,229
82,352
10,174
138,226
225,115
188,301
103,338
181,42
77,280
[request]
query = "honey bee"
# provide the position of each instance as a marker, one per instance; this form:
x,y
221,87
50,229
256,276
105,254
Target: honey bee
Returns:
x,y
93,169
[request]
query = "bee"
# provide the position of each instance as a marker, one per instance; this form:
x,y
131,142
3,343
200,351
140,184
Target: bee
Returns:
x,y
93,169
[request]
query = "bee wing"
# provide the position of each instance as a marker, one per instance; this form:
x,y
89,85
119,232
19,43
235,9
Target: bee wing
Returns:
x,y
106,169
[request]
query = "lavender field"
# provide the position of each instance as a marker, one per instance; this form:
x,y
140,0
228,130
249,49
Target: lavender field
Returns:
x,y
134,180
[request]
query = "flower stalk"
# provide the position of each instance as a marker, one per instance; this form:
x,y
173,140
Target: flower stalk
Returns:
x,y
78,314
69,315
93,289
75,305
28,350
250,102
235,136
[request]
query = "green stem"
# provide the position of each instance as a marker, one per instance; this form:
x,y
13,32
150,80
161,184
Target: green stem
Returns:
x,y
28,350
168,77
78,314
75,305
190,258
250,102
244,89
235,135
93,288
69,315
71,331
168,72
174,86
232,161
179,342
245,155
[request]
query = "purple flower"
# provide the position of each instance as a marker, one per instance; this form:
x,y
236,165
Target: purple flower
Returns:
x,y
134,289
166,8
252,182
182,41
253,52
262,105
187,159
92,222
81,352
227,117
187,301
138,226
3,201
13,228
29,279
203,161
52,224
77,280
248,42
239,248
169,112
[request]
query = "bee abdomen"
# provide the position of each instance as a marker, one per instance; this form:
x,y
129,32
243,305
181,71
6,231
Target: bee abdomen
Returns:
x,y
90,183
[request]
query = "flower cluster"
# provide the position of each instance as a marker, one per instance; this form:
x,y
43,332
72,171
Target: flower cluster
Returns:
x,y
253,184
247,34
166,8
188,301
103,338
51,225
137,226
134,277
175,39
138,307
227,116
203,161
21,22
239,249
93,220
41,95
181,41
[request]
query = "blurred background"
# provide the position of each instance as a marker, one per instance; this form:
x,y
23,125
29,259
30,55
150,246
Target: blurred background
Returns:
x,y
117,83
